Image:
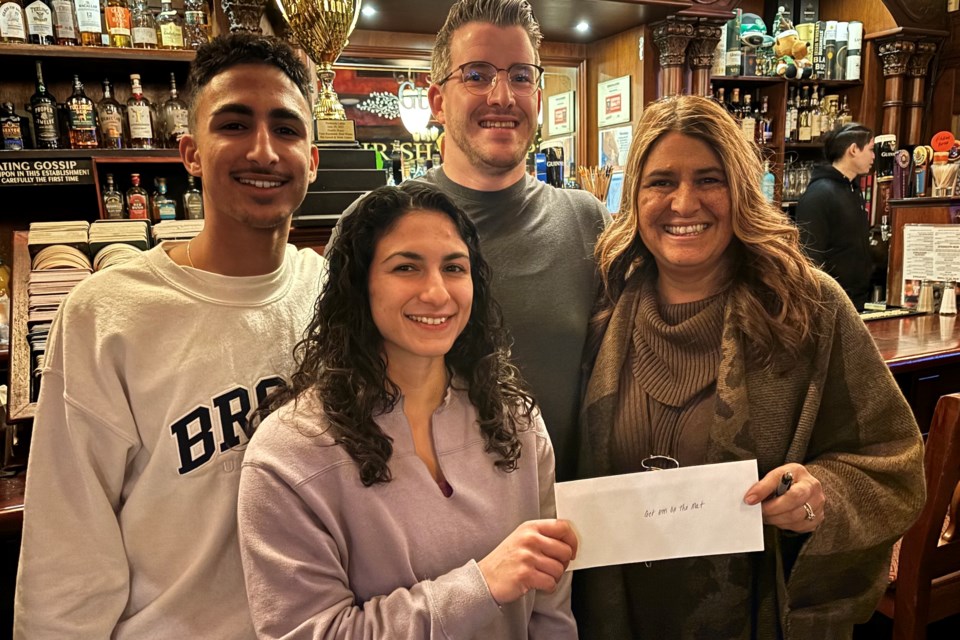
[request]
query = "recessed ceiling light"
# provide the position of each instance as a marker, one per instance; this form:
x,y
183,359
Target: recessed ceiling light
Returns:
x,y
582,26
368,11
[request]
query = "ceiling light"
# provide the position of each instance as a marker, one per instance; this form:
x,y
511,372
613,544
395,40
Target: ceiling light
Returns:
x,y
368,11
582,26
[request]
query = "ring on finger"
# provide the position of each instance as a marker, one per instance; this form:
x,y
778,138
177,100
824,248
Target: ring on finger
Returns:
x,y
810,514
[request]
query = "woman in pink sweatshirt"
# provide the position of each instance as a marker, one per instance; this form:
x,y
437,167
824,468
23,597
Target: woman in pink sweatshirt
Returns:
x,y
403,487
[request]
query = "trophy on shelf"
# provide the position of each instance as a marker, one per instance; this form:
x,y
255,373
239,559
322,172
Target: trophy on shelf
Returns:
x,y
243,15
322,28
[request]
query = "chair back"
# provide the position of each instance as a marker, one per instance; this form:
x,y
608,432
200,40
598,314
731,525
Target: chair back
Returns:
x,y
927,587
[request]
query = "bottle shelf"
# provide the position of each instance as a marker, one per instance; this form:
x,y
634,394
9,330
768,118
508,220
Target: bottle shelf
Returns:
x,y
100,155
803,145
95,53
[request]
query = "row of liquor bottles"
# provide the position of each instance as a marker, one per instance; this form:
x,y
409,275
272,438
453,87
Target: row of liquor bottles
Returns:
x,y
137,204
114,23
810,113
79,123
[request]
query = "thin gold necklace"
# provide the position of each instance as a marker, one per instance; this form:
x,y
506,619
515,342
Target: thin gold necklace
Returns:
x,y
189,259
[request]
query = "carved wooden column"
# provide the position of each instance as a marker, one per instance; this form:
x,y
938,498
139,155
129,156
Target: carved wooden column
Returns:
x,y
894,55
672,37
916,89
706,35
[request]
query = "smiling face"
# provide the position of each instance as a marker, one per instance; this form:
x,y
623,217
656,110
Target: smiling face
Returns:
x,y
252,146
684,216
488,134
421,289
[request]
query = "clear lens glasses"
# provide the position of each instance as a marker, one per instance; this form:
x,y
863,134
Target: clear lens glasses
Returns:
x,y
479,77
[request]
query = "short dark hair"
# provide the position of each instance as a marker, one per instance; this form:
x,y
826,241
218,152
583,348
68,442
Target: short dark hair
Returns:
x,y
340,361
224,52
837,141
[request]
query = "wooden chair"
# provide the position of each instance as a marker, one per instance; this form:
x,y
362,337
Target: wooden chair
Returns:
x,y
927,586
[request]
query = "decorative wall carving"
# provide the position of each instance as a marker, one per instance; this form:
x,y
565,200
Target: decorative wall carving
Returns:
x,y
702,47
920,60
895,54
672,37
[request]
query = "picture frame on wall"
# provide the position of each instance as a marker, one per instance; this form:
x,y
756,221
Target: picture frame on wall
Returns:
x,y
614,146
560,115
613,102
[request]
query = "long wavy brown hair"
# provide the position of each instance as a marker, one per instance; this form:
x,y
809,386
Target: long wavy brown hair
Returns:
x,y
774,292
341,363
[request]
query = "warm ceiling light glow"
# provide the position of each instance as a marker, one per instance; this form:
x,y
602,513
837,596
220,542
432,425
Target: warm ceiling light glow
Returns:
x,y
368,11
582,27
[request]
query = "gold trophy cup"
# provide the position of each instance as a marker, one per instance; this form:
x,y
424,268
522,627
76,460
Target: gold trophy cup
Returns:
x,y
322,28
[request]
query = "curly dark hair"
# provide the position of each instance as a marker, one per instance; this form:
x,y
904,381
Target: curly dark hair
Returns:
x,y
340,361
224,52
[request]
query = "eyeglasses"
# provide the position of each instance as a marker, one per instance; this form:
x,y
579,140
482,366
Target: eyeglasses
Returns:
x,y
479,77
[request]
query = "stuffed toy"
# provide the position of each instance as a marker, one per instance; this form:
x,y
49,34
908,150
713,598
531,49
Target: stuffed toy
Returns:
x,y
792,60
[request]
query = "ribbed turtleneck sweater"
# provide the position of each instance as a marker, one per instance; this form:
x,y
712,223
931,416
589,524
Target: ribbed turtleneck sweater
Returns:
x,y
668,381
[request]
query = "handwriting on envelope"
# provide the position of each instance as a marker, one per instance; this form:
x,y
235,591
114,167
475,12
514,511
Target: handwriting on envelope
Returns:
x,y
676,513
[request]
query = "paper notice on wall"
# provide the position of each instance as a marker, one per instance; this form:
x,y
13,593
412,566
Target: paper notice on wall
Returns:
x,y
931,252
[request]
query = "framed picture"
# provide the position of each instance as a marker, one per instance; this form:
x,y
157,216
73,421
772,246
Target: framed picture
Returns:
x,y
560,114
614,146
615,191
613,102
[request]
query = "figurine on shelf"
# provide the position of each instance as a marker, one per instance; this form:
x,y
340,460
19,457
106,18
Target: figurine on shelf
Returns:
x,y
791,51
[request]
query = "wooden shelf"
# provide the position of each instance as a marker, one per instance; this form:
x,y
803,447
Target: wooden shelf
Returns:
x,y
100,155
19,406
803,145
94,53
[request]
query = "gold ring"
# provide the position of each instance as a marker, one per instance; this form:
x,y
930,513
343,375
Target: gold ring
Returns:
x,y
810,514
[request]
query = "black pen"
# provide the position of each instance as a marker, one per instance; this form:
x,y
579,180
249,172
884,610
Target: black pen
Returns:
x,y
785,483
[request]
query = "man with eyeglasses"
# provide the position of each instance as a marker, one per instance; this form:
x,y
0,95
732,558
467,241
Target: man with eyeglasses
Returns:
x,y
538,239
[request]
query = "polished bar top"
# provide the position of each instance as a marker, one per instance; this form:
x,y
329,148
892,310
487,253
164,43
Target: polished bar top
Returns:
x,y
914,342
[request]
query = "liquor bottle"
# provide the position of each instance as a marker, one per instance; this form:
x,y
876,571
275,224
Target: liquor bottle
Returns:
x,y
748,121
790,126
144,31
815,115
139,116
117,15
844,117
11,127
112,200
13,24
39,14
803,129
82,122
110,115
43,106
196,24
169,27
192,200
769,183
138,202
88,22
721,97
176,117
764,123
734,106
65,23
828,111
164,207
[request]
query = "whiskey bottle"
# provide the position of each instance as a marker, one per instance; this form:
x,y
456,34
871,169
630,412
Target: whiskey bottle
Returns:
x,y
144,32
13,24
43,106
110,115
804,130
793,116
139,117
39,14
112,200
196,24
815,115
10,126
176,117
117,14
82,122
748,121
169,27
165,208
138,202
764,123
65,23
88,22
734,106
192,200
844,117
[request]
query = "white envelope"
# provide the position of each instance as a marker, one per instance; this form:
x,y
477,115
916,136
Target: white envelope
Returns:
x,y
654,515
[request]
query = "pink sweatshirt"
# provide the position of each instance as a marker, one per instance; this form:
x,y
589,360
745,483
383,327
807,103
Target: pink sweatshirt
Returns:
x,y
326,557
